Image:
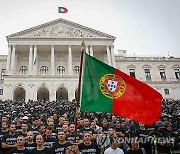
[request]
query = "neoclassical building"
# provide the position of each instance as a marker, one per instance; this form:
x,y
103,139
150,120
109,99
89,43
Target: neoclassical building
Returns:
x,y
43,63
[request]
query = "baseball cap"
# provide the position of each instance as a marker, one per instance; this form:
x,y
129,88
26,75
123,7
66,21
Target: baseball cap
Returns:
x,y
25,118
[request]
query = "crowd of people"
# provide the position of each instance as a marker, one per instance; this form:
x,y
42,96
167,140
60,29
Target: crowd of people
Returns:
x,y
44,127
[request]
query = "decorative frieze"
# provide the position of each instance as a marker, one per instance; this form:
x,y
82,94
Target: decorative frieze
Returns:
x,y
59,30
61,56
44,56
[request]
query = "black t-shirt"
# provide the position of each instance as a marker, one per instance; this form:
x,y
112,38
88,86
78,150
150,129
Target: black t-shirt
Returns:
x,y
2,134
16,151
58,127
91,149
143,135
89,130
70,138
121,129
134,152
34,130
49,142
54,133
44,151
10,140
18,129
59,148
30,146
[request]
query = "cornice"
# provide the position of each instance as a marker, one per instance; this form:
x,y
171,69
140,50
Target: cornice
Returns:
x,y
40,77
65,38
148,60
60,20
163,82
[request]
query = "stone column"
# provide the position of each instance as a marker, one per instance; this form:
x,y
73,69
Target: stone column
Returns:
x,y
52,59
8,58
30,58
52,95
108,55
13,58
35,59
87,50
91,50
112,56
70,59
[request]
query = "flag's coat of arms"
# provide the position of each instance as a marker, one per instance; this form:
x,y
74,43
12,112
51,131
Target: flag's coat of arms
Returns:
x,y
112,86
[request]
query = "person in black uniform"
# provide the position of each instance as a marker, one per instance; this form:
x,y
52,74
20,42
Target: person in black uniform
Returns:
x,y
160,139
9,140
41,149
30,144
88,146
20,149
142,133
59,147
135,148
49,141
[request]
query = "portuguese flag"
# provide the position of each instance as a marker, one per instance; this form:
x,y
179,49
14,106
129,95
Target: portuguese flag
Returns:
x,y
62,10
106,89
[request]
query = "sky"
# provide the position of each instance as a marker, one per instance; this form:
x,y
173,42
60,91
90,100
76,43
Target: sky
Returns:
x,y
141,27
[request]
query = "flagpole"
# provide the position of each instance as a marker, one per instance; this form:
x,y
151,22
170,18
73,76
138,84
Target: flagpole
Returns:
x,y
79,90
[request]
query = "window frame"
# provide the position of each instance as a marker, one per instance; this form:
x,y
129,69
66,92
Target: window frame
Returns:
x,y
23,70
177,73
76,69
166,91
1,91
130,72
147,74
60,69
44,70
3,73
162,73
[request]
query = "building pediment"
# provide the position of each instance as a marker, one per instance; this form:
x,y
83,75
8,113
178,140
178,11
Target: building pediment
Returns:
x,y
60,28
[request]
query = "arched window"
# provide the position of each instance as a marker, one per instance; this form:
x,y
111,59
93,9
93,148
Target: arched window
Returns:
x,y
76,69
43,70
23,70
60,69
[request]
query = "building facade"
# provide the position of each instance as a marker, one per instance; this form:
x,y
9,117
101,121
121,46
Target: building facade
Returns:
x,y
43,63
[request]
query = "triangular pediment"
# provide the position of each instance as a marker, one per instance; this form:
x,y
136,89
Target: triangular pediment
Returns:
x,y
60,28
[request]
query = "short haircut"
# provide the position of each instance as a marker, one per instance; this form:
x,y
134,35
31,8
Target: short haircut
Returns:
x,y
85,133
21,137
40,126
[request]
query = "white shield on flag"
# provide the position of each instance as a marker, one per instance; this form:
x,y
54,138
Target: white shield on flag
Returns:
x,y
112,85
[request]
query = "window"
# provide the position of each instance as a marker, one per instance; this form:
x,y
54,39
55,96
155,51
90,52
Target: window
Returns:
x,y
132,73
148,74
3,74
1,91
60,69
76,69
23,70
162,74
166,91
177,73
43,70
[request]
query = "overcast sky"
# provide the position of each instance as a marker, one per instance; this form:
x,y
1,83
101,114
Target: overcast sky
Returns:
x,y
142,27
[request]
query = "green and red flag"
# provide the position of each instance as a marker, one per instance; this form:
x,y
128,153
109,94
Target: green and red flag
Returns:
x,y
62,10
106,89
